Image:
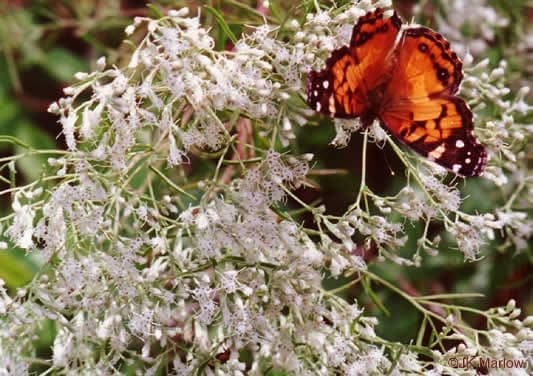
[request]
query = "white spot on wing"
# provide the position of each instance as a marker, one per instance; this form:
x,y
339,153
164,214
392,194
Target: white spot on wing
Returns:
x,y
325,84
460,144
318,106
456,168
315,93
331,107
468,160
437,152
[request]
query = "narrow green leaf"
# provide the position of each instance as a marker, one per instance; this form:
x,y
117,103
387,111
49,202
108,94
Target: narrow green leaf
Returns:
x,y
274,8
462,295
225,27
421,332
171,183
14,141
155,11
375,298
12,174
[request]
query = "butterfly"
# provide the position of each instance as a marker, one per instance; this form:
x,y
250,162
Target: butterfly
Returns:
x,y
407,79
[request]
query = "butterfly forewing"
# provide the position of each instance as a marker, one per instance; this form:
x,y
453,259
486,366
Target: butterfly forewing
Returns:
x,y
337,90
342,88
372,43
426,66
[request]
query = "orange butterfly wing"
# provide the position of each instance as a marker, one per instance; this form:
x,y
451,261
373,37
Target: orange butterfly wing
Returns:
x,y
342,88
420,107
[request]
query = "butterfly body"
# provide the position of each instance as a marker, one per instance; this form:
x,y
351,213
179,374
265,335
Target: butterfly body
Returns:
x,y
407,79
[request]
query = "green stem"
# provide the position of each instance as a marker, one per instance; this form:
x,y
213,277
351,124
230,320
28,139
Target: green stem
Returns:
x,y
171,183
363,174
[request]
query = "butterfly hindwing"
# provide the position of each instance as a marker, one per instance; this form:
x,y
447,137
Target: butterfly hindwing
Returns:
x,y
421,109
341,89
441,130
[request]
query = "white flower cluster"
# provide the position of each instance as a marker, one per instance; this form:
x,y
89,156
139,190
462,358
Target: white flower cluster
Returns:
x,y
184,77
509,339
522,52
266,266
470,25
501,125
